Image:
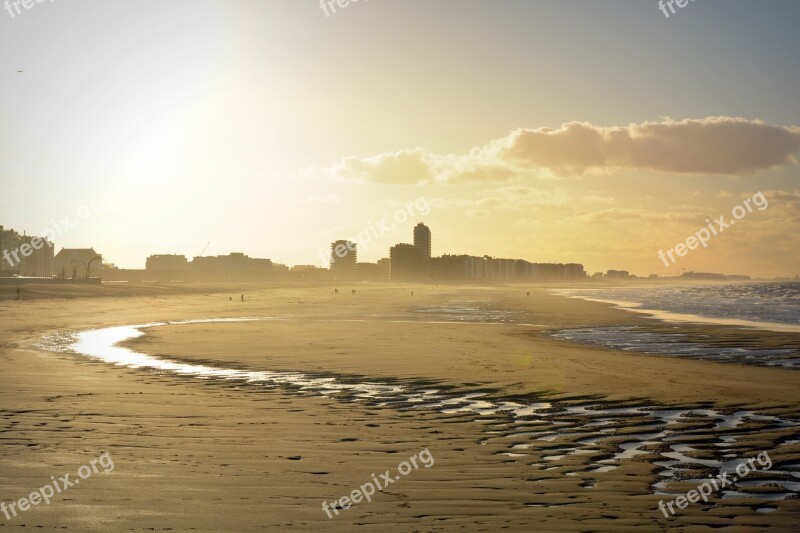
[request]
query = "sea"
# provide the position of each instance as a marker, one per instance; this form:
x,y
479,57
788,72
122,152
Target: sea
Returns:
x,y
772,306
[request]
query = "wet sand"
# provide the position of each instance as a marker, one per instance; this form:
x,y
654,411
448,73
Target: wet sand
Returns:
x,y
215,455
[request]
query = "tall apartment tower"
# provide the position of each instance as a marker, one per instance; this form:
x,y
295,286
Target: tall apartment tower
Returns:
x,y
422,242
344,257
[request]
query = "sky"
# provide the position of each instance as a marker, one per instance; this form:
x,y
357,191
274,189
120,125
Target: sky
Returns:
x,y
589,131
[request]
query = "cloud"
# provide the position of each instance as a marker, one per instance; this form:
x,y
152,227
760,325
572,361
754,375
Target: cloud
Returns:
x,y
785,196
714,145
618,214
598,198
404,166
516,197
709,146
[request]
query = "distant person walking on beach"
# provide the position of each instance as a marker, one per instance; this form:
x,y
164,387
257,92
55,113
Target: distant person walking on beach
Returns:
x,y
242,297
18,291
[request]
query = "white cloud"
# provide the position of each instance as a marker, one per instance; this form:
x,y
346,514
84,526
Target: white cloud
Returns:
x,y
708,146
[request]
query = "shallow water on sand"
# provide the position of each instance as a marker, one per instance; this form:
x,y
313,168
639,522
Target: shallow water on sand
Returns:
x,y
766,306
637,339
683,443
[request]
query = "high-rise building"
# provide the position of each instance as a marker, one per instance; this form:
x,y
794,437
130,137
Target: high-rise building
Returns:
x,y
344,260
422,239
422,242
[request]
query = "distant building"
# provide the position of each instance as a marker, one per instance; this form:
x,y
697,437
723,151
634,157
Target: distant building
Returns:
x,y
235,267
373,271
412,261
9,242
385,266
574,271
344,260
555,271
486,268
455,268
25,255
40,261
167,267
77,263
705,276
309,273
166,262
280,271
405,262
422,242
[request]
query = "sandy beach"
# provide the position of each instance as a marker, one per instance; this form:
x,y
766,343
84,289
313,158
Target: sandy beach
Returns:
x,y
222,454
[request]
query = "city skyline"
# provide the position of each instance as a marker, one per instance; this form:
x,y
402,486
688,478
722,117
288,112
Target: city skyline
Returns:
x,y
403,262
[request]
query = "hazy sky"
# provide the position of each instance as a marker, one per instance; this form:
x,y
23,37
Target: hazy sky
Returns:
x,y
557,131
